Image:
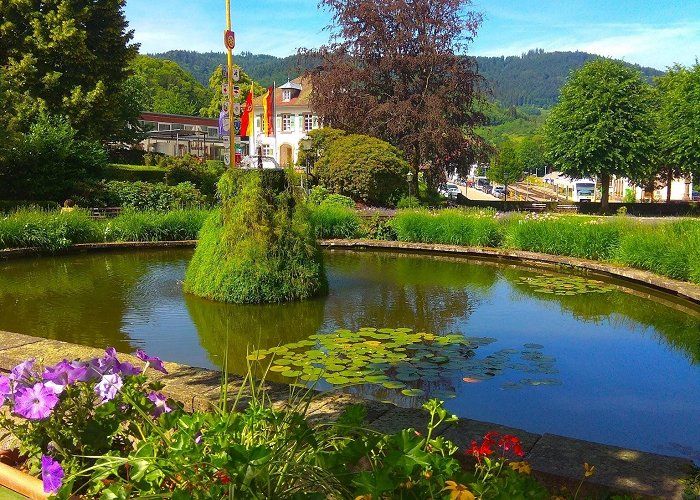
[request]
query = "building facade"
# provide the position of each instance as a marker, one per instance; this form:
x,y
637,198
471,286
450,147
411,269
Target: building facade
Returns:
x,y
177,135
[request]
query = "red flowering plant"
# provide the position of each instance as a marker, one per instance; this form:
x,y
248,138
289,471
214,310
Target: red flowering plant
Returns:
x,y
65,413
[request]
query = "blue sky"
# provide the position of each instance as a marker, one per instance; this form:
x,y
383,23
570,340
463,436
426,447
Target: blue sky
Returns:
x,y
651,33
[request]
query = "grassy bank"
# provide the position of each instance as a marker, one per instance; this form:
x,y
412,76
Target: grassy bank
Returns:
x,y
54,230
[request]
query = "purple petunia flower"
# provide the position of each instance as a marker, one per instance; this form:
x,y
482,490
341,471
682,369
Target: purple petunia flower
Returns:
x,y
127,369
108,387
153,361
5,389
67,372
36,402
160,402
23,371
51,474
198,437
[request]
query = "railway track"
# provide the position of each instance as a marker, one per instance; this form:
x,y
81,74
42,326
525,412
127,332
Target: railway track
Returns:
x,y
525,192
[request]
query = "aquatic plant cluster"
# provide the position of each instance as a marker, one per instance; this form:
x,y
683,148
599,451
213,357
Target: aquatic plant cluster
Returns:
x,y
398,363
99,429
565,285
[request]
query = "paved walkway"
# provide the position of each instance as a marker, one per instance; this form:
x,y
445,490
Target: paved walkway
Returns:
x,y
557,459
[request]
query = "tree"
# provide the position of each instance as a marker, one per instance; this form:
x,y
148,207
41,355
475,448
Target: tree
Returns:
x,y
65,58
531,153
217,98
392,71
603,124
506,167
679,123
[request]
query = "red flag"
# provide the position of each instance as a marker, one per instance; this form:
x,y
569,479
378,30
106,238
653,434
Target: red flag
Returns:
x,y
268,127
247,117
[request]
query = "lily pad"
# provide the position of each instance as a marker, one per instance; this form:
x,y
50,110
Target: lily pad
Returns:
x,y
413,392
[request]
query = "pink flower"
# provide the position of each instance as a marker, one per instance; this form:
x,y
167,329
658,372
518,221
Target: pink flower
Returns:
x,y
36,402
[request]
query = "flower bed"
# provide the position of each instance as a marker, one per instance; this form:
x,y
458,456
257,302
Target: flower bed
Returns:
x,y
100,428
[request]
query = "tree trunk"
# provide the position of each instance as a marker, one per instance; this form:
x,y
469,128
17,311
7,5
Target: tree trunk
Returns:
x,y
669,181
604,192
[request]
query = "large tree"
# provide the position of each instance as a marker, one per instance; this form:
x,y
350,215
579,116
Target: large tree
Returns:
x,y
679,123
393,70
66,58
506,166
603,124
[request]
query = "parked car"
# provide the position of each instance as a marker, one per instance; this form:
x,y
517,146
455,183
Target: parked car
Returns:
x,y
450,191
498,191
268,162
695,196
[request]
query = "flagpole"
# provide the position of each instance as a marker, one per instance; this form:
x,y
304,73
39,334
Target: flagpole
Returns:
x,y
229,60
274,119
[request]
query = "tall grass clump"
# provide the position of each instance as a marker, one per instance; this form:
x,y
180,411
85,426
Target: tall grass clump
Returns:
x,y
671,249
583,237
451,226
47,230
260,246
132,225
334,221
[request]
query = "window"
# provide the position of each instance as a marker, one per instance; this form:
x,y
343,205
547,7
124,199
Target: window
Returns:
x,y
287,123
177,126
150,125
189,127
308,122
286,94
163,126
212,131
266,150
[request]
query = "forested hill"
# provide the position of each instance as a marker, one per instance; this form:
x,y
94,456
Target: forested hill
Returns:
x,y
534,78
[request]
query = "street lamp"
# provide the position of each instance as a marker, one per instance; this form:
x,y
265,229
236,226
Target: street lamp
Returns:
x,y
258,140
409,178
306,146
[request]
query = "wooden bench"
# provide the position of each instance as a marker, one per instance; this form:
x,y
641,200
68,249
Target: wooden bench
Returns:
x,y
537,207
567,208
105,212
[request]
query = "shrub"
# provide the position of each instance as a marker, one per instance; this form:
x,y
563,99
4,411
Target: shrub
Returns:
x,y
321,140
317,195
451,226
132,225
202,174
47,230
365,169
335,221
47,162
133,173
148,196
576,236
338,200
260,246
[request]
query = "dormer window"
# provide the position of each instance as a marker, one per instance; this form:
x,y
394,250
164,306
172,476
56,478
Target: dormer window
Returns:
x,y
287,95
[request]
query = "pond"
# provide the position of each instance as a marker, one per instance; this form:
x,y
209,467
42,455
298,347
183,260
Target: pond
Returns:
x,y
518,346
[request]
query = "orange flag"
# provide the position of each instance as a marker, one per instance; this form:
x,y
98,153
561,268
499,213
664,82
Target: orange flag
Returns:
x,y
267,127
247,117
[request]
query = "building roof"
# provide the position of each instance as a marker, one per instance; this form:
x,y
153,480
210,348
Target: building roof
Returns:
x,y
184,119
302,99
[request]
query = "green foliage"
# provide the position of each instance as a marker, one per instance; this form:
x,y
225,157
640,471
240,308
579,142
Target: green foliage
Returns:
x,y
584,237
48,162
202,174
67,58
317,195
151,196
506,167
669,249
450,226
321,141
48,230
170,89
175,225
630,196
364,168
603,124
134,173
217,98
335,221
260,246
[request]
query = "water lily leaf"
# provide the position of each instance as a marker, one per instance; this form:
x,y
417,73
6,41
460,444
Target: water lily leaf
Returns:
x,y
278,368
533,346
337,380
443,394
413,392
393,384
291,373
408,376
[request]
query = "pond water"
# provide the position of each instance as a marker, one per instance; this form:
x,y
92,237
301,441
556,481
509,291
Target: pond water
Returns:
x,y
617,364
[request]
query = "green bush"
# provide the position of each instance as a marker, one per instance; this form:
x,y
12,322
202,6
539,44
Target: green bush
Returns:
x,y
365,169
317,195
451,226
333,221
48,162
134,173
259,247
321,140
204,175
668,249
132,225
338,200
576,236
47,230
148,196
9,206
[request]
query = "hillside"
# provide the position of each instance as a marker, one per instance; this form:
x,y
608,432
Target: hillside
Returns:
x,y
533,78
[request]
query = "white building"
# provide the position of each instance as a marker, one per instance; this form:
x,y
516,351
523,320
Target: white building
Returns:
x,y
176,135
293,118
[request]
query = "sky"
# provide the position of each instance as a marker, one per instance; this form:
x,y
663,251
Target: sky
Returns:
x,y
647,32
